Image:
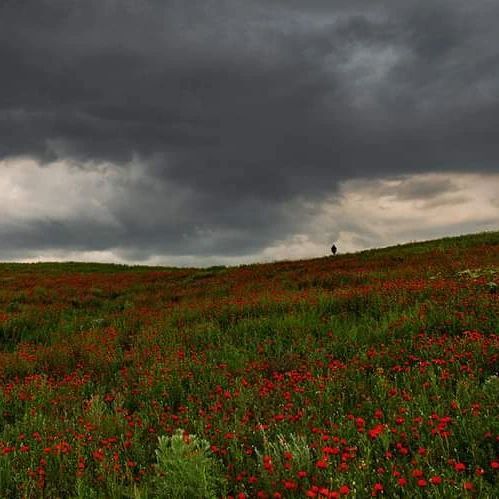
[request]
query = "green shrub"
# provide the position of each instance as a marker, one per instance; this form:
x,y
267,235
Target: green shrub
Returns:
x,y
186,468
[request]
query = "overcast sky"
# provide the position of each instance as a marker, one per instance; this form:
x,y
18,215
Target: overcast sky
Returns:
x,y
228,131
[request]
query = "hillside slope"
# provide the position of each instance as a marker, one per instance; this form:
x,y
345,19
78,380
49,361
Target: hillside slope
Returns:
x,y
355,375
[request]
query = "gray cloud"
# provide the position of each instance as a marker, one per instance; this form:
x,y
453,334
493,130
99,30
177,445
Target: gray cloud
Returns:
x,y
239,110
417,188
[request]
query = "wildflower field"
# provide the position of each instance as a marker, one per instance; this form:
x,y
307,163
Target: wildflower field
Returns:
x,y
370,374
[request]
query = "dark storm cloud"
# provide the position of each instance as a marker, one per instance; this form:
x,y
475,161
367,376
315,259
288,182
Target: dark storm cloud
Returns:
x,y
246,106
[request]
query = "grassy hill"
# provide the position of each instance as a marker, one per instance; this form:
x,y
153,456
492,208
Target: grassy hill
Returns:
x,y
357,375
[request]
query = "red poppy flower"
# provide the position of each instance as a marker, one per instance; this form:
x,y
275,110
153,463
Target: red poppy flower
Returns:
x,y
344,490
290,485
321,464
98,454
376,431
377,488
468,486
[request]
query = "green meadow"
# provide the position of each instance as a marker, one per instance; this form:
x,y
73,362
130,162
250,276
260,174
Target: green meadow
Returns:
x,y
359,375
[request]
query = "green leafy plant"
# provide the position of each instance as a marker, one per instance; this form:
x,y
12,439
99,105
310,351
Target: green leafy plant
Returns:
x,y
186,468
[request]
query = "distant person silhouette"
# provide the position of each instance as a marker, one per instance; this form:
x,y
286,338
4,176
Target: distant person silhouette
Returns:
x,y
334,249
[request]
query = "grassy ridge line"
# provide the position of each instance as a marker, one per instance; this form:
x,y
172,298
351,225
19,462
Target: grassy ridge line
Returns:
x,y
442,244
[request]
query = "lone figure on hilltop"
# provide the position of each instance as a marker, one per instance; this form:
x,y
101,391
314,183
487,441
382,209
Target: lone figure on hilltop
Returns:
x,y
334,249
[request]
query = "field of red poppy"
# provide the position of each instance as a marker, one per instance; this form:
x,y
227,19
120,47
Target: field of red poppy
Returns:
x,y
369,374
